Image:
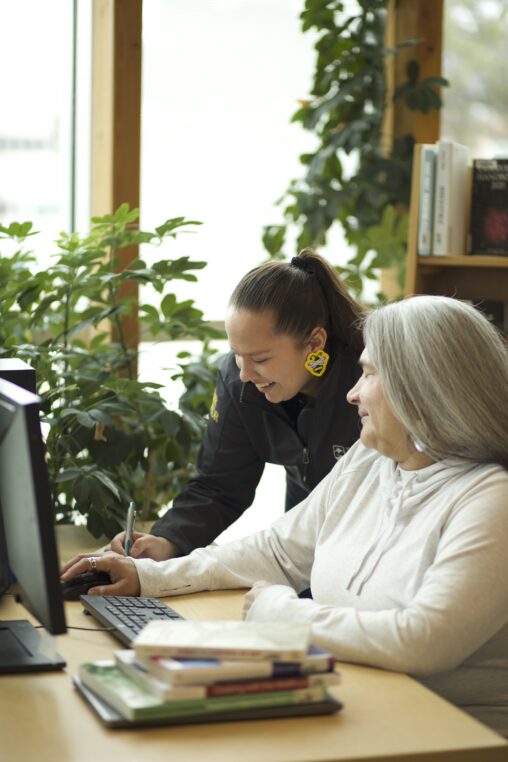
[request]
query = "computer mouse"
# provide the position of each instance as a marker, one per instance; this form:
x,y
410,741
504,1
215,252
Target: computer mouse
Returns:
x,y
81,583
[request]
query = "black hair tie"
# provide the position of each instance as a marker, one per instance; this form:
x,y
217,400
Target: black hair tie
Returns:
x,y
301,264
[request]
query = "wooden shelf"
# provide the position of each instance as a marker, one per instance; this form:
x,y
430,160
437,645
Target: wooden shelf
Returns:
x,y
472,276
468,260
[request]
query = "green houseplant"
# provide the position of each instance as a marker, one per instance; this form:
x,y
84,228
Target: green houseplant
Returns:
x,y
351,180
110,438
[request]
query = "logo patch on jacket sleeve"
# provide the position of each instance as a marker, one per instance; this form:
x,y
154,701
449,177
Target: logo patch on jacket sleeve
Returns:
x,y
339,451
214,413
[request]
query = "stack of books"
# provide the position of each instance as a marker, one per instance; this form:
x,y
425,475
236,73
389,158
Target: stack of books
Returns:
x,y
182,672
461,209
441,180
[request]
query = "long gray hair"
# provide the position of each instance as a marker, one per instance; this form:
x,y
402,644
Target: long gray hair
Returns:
x,y
444,371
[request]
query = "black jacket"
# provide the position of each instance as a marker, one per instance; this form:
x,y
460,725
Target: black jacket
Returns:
x,y
244,432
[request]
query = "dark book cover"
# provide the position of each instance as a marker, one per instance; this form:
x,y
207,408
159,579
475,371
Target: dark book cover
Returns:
x,y
489,207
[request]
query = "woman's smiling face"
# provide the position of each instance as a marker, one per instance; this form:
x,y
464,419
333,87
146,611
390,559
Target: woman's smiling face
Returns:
x,y
273,362
381,429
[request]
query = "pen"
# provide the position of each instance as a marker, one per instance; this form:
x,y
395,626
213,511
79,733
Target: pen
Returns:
x,y
131,515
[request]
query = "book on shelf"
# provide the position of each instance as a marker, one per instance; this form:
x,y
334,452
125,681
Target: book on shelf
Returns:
x,y
489,207
425,166
194,671
134,702
127,662
282,641
450,199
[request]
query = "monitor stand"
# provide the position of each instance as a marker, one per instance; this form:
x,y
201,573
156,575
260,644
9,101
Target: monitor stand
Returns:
x,y
23,648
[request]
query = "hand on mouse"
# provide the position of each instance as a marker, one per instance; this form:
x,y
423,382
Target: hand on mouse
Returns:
x,y
74,560
123,573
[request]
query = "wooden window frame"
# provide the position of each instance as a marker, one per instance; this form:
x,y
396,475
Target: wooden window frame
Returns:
x,y
116,124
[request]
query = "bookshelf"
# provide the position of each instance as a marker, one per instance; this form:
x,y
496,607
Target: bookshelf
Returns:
x,y
474,277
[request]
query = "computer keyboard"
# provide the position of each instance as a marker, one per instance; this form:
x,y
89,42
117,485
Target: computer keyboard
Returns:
x,y
127,614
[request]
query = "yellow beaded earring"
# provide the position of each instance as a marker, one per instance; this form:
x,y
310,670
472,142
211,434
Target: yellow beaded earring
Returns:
x,y
316,362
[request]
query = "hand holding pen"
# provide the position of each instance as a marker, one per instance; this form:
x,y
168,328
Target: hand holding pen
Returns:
x,y
131,515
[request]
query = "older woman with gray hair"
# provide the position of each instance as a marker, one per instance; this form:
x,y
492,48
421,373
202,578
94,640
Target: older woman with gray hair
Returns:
x,y
405,543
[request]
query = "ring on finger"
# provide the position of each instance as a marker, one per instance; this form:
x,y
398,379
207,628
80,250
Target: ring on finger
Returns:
x,y
93,562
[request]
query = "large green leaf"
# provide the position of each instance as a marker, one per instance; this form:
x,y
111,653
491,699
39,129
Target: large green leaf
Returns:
x,y
106,431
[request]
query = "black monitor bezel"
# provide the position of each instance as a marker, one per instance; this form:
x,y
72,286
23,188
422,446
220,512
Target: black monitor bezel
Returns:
x,y
28,405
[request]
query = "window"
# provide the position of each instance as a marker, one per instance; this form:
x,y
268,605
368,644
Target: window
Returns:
x,y
41,109
221,79
475,110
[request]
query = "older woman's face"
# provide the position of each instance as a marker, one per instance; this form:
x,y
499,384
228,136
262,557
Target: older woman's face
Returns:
x,y
381,429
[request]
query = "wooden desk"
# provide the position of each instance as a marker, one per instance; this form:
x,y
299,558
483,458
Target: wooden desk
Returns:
x,y
386,716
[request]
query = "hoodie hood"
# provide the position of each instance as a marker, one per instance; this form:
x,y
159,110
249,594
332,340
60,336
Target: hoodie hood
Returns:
x,y
402,495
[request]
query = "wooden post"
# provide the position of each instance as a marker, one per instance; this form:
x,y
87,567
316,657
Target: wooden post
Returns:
x,y
407,20
116,120
418,19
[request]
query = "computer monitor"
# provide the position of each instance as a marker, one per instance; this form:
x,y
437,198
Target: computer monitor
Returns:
x,y
27,541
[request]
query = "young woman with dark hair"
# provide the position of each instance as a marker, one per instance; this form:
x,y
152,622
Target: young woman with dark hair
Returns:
x,y
295,339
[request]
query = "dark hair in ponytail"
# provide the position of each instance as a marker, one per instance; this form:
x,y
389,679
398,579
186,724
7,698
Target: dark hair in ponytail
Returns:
x,y
302,294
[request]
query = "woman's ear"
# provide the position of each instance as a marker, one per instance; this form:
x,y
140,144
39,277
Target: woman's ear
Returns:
x,y
318,339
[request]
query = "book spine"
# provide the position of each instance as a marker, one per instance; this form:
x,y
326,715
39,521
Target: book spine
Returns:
x,y
426,197
314,666
180,675
441,200
268,698
230,654
457,201
237,702
272,684
192,675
